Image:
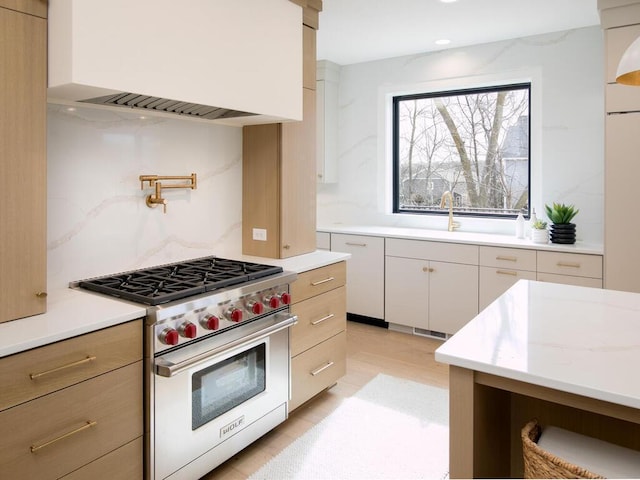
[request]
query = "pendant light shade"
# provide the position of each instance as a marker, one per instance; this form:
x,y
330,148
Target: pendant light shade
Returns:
x,y
629,67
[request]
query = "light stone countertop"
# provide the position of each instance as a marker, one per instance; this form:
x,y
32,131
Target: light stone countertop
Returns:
x,y
69,313
487,239
300,263
580,340
73,312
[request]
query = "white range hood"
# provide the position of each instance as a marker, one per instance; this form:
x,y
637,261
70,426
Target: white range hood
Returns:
x,y
237,62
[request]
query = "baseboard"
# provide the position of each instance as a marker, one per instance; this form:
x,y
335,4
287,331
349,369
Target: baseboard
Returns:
x,y
376,322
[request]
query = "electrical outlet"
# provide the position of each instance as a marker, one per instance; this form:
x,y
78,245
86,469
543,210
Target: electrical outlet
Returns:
x,y
260,234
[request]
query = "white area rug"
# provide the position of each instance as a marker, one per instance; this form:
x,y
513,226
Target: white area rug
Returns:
x,y
390,429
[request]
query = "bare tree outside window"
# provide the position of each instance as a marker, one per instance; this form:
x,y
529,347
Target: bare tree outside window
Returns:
x,y
473,143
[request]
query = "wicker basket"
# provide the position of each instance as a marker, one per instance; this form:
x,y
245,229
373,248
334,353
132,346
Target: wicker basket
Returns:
x,y
539,463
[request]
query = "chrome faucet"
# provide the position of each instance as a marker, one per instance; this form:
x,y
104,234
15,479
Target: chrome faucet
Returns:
x,y
443,201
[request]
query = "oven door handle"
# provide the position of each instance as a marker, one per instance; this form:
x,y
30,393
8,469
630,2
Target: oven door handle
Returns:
x,y
169,369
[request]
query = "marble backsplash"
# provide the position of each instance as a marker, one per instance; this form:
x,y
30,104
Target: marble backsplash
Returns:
x,y
566,70
98,222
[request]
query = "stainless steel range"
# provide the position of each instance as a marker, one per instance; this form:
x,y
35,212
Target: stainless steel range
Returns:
x,y
216,358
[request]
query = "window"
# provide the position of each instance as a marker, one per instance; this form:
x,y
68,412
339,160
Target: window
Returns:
x,y
473,143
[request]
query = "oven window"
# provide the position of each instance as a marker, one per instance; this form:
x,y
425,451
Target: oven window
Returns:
x,y
225,385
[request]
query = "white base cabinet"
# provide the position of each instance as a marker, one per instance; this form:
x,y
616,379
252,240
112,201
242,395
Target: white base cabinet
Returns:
x,y
430,285
365,273
434,287
500,268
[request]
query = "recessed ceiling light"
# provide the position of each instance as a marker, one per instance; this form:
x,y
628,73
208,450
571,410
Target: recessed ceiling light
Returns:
x,y
443,41
448,1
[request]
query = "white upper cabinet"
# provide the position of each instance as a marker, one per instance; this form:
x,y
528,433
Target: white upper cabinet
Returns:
x,y
327,83
240,56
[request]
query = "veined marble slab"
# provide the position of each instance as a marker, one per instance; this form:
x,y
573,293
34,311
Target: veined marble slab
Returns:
x,y
574,339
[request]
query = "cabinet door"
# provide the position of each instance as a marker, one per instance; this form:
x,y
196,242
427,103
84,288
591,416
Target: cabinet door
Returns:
x,y
23,177
298,177
407,292
365,273
453,296
621,233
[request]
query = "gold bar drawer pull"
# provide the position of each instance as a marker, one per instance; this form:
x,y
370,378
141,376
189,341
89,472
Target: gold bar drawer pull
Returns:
x,y
569,264
88,424
33,376
507,259
321,369
351,244
320,320
320,282
506,272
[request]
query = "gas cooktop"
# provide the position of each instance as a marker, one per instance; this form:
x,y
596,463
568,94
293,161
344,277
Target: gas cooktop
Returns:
x,y
174,281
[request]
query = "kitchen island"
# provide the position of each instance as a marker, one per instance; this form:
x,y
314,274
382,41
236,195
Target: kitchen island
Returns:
x,y
563,354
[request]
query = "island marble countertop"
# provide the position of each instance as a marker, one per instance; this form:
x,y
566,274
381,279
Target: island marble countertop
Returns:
x,y
580,340
489,239
73,312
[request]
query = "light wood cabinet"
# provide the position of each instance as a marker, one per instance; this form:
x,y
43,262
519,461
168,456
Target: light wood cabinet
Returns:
x,y
365,273
318,340
622,255
327,87
431,286
621,24
75,402
23,177
278,178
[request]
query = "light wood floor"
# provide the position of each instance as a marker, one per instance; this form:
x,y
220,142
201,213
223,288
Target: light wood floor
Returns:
x,y
370,350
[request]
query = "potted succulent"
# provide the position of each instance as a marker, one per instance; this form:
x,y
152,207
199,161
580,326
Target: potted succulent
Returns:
x,y
539,232
562,230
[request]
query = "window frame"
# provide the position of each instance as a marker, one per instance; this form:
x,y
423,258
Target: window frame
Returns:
x,y
396,99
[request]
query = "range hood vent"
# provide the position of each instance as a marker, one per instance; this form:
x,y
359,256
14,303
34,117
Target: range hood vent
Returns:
x,y
165,105
238,62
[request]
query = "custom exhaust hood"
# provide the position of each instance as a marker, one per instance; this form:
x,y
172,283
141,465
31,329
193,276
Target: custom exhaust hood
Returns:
x,y
236,62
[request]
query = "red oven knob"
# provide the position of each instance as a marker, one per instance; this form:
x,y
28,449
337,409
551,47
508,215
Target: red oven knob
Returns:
x,y
235,314
211,322
188,330
286,298
169,336
274,302
256,307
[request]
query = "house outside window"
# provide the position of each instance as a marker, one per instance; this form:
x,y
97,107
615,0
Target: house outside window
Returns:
x,y
473,143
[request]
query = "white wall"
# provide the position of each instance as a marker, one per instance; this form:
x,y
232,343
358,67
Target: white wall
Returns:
x,y
98,222
567,141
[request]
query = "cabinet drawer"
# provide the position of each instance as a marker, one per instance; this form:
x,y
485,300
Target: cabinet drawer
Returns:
x,y
317,281
125,463
510,258
439,251
574,264
570,280
495,281
112,400
317,369
68,362
319,318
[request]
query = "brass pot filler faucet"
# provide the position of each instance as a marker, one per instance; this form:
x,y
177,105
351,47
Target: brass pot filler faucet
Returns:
x,y
155,199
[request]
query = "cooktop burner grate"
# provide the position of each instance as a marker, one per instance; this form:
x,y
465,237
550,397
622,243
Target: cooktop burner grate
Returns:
x,y
166,283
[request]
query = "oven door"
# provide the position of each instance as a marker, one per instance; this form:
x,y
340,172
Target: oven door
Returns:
x,y
220,391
